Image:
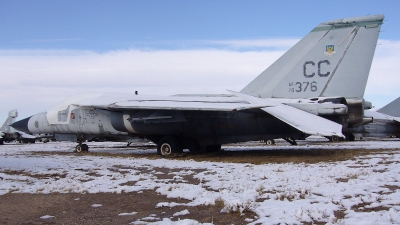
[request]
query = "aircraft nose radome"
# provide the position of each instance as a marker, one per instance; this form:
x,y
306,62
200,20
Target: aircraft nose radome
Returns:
x,y
22,125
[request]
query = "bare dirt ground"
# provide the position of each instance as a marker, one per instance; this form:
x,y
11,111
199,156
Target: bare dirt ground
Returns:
x,y
78,208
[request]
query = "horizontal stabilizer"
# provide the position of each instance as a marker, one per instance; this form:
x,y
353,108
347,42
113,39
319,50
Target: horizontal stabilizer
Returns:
x,y
303,121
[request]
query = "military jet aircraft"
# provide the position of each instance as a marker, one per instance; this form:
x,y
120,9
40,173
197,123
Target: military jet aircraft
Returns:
x,y
386,122
316,88
8,133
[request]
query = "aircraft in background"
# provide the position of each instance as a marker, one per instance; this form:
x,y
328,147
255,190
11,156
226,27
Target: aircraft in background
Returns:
x,y
386,122
1,138
316,88
392,109
7,133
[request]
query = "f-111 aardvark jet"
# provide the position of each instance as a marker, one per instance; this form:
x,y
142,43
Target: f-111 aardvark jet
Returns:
x,y
316,88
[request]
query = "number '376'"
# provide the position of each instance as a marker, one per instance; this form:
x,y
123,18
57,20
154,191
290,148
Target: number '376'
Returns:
x,y
304,86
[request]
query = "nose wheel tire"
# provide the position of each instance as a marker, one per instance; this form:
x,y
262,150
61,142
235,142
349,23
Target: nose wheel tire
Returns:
x,y
270,142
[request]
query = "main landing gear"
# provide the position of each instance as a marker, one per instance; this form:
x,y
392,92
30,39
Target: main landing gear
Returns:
x,y
81,147
171,145
334,138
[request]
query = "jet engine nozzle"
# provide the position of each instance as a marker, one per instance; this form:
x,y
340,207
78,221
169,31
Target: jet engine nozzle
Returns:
x,y
22,125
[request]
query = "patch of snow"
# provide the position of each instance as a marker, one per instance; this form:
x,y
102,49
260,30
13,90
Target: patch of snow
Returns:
x,y
139,222
127,214
291,193
167,204
167,221
46,217
182,213
150,218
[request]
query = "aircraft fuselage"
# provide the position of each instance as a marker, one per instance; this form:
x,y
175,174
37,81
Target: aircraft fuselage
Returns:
x,y
207,128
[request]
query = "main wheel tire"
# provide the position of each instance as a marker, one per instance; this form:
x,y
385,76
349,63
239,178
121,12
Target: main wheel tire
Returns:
x,y
335,138
79,148
168,145
269,142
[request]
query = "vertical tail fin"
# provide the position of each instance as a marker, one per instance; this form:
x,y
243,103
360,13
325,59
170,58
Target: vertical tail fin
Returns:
x,y
11,119
334,59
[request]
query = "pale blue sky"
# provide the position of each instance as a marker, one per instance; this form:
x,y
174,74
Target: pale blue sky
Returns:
x,y
52,49
109,25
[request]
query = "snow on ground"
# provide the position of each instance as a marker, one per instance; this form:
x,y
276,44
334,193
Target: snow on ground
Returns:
x,y
364,189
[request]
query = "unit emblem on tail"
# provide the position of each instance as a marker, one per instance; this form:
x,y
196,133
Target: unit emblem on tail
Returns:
x,y
329,50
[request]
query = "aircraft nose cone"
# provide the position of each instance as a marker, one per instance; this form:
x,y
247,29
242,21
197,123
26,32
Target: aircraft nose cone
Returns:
x,y
22,125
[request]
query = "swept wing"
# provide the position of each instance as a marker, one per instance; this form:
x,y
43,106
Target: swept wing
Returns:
x,y
303,121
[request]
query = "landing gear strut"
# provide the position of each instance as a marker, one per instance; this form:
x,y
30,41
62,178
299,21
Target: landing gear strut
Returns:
x,y
290,140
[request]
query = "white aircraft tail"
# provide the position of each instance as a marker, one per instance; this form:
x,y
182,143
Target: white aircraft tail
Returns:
x,y
334,59
10,119
391,109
